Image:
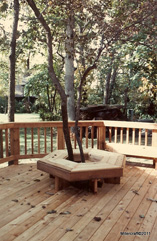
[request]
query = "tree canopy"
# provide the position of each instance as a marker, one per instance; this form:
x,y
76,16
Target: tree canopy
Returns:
x,y
108,47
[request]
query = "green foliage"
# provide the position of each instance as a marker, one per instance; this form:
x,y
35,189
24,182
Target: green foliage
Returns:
x,y
3,78
3,104
40,85
24,106
136,77
3,6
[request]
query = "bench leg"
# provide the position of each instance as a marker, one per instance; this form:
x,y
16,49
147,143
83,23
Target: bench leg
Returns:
x,y
57,184
155,163
60,184
95,189
93,184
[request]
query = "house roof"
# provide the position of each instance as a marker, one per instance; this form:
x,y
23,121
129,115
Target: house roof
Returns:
x,y
19,91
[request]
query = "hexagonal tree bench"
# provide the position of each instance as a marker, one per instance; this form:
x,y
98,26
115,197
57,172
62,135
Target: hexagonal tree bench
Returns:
x,y
99,166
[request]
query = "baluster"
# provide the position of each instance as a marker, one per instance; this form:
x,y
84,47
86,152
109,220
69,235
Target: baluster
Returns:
x,y
38,140
86,136
146,137
72,136
81,134
1,143
133,136
115,137
127,136
74,141
98,138
51,139
110,134
32,140
121,135
45,140
6,143
15,143
139,136
92,137
154,137
25,133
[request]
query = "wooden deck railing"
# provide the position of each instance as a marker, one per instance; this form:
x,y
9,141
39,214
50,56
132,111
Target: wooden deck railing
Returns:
x,y
35,140
135,133
133,139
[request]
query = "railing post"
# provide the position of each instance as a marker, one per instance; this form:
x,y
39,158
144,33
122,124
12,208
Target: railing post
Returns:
x,y
1,144
154,137
101,137
15,143
60,139
154,143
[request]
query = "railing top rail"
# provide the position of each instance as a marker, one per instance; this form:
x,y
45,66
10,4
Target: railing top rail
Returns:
x,y
130,124
6,125
108,123
48,124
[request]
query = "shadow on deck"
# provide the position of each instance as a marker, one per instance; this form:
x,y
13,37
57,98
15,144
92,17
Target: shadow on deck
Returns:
x,y
31,210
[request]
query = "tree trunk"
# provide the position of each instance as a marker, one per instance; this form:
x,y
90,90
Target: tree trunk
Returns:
x,y
112,83
107,87
48,97
126,100
83,65
54,79
53,101
12,58
69,67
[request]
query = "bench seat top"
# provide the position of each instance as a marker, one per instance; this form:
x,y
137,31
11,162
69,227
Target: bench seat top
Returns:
x,y
100,164
133,150
78,167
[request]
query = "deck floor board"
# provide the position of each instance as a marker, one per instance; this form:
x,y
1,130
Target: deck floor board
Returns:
x,y
31,210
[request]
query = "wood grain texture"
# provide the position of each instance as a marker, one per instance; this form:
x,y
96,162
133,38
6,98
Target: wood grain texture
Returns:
x,y
31,210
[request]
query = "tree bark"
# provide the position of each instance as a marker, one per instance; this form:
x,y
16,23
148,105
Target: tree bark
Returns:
x,y
112,83
48,97
126,100
107,87
12,58
69,67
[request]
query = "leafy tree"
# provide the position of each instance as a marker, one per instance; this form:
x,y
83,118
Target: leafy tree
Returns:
x,y
40,86
135,77
54,77
3,78
144,73
108,23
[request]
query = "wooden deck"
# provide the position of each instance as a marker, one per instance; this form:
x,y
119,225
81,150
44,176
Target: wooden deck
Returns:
x,y
30,210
